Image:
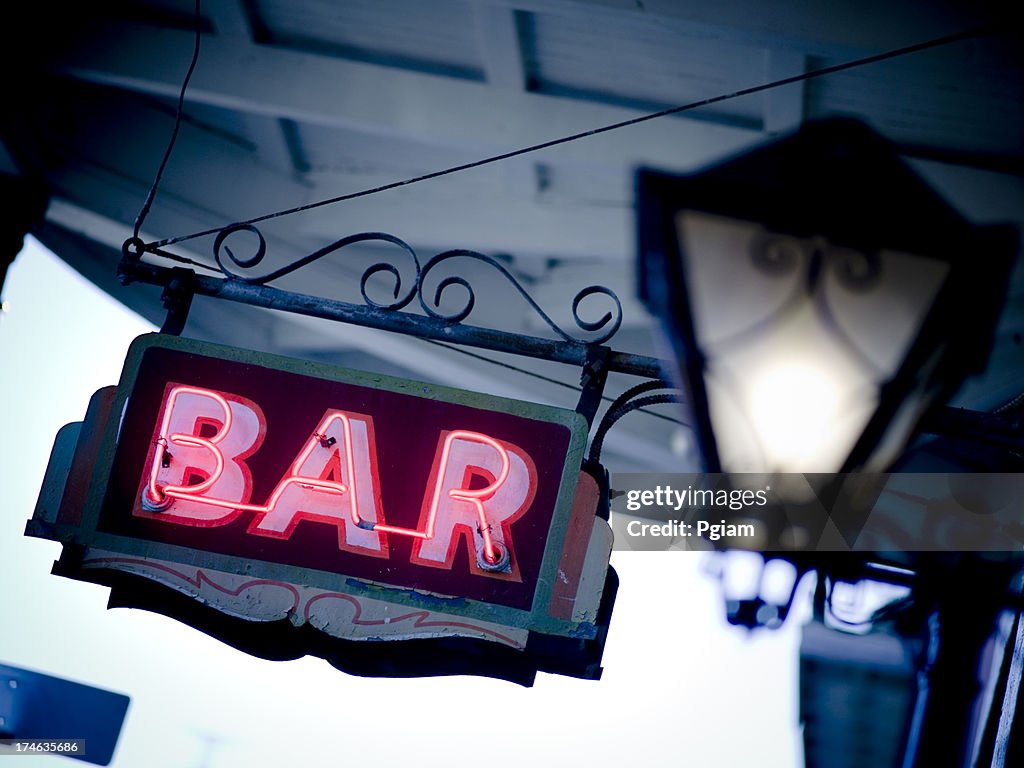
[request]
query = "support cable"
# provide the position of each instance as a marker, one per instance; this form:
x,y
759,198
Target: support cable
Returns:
x,y
144,211
626,403
802,77
615,402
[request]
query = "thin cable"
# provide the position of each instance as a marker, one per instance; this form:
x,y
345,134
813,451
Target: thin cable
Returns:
x,y
541,377
182,259
611,417
144,212
917,47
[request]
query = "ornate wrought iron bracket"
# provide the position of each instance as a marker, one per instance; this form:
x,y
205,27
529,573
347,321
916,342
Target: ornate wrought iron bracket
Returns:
x,y
238,284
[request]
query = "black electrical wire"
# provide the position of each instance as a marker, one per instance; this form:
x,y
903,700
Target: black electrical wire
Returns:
x,y
144,211
612,416
855,63
647,386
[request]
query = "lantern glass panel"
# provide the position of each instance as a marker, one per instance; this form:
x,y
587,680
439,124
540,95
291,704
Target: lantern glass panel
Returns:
x,y
797,336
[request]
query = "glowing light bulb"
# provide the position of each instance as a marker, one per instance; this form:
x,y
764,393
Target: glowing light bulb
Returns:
x,y
794,408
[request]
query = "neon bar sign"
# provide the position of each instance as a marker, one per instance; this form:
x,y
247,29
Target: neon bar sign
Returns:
x,y
393,482
207,435
288,507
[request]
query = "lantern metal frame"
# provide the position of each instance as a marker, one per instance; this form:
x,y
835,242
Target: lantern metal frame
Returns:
x,y
837,181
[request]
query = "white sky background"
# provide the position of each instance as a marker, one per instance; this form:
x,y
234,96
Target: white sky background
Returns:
x,y
680,686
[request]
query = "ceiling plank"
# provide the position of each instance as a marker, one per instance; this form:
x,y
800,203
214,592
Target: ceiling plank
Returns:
x,y
502,54
231,19
114,198
838,28
476,211
784,106
500,49
330,91
102,229
437,221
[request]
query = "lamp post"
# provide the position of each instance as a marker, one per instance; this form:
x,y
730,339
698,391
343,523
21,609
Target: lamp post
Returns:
x,y
817,298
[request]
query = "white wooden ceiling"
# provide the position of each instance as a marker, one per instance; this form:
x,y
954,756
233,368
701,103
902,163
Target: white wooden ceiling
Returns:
x,y
298,100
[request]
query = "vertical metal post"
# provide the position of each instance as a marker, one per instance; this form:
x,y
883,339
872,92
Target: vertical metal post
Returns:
x,y
951,678
592,379
177,299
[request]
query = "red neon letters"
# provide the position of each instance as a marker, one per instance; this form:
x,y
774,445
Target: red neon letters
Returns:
x,y
196,474
181,452
482,515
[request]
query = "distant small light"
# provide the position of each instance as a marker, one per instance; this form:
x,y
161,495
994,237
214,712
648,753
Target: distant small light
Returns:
x,y
741,575
5,306
682,444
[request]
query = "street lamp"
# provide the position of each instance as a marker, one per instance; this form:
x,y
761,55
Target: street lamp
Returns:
x,y
818,297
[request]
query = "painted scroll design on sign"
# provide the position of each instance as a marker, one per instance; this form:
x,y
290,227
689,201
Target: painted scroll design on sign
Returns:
x,y
349,617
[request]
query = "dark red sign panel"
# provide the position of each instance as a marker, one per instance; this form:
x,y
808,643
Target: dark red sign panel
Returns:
x,y
255,496
391,486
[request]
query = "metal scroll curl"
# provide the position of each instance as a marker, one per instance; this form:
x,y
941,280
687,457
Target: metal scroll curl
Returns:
x,y
239,268
401,299
609,322
805,262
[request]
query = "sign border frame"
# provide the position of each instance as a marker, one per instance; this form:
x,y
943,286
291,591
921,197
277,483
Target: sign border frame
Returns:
x,y
535,619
